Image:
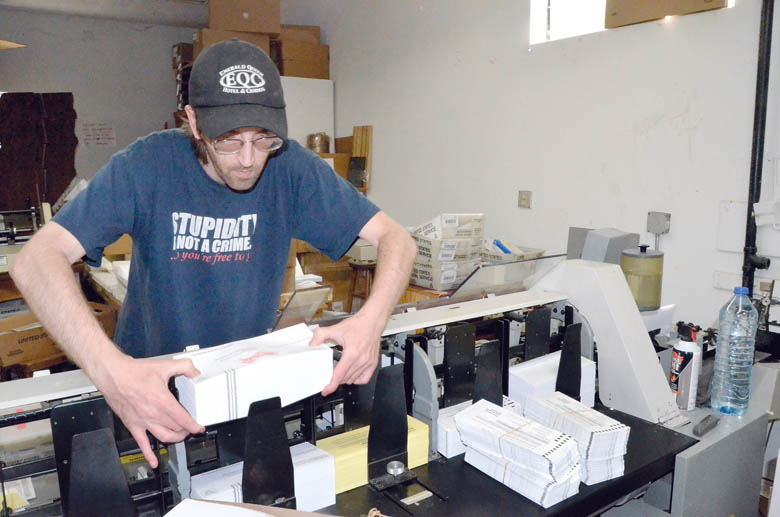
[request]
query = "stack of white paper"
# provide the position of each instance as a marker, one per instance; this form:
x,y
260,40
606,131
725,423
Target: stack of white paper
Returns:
x,y
315,477
449,443
601,440
537,377
314,471
526,481
232,376
538,462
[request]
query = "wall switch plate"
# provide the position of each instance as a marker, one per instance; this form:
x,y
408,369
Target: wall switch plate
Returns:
x,y
524,199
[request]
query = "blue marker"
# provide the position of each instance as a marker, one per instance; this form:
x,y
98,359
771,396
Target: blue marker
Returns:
x,y
501,246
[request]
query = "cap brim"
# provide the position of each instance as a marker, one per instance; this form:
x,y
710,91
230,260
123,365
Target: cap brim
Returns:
x,y
215,121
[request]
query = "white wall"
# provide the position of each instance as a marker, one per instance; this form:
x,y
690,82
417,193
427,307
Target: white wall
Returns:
x,y
120,73
602,128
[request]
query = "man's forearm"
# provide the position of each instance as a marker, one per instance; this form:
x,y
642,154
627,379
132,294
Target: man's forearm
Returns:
x,y
395,254
43,274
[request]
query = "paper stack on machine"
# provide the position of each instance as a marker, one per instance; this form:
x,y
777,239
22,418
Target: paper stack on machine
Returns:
x,y
449,443
537,376
448,250
350,451
232,376
313,471
538,462
601,440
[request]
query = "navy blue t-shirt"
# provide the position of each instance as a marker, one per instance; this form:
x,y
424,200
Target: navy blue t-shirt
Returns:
x,y
208,263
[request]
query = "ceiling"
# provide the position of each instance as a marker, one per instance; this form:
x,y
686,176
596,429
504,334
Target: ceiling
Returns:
x,y
183,13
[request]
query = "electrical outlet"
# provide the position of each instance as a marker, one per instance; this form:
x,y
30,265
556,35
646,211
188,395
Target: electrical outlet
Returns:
x,y
524,199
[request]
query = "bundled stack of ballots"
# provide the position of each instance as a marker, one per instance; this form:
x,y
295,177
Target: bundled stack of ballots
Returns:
x,y
538,462
601,440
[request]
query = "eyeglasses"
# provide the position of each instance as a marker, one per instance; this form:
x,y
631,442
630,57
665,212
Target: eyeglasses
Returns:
x,y
263,144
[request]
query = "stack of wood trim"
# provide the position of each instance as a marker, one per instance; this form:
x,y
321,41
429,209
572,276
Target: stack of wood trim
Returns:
x,y
362,137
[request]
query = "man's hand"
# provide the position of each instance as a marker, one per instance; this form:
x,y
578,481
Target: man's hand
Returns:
x,y
137,391
359,339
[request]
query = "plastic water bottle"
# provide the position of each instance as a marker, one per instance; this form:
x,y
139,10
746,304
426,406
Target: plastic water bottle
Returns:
x,y
734,354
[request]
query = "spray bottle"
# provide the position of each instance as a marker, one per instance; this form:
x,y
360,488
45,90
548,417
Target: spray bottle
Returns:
x,y
686,365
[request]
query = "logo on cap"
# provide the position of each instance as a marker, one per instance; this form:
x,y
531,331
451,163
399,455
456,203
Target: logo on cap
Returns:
x,y
241,79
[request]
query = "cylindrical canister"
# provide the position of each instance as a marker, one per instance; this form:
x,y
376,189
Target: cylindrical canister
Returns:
x,y
643,269
684,373
318,142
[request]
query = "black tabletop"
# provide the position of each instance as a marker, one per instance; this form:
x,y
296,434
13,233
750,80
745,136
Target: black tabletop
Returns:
x,y
651,453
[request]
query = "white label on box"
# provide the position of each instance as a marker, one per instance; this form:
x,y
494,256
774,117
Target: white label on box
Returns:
x,y
449,221
3,260
447,254
449,245
449,276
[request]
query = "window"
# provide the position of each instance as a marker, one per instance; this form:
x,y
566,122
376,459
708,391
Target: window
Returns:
x,y
558,19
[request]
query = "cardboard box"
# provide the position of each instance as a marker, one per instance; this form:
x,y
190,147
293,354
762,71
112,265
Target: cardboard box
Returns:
x,y
442,275
626,12
206,37
446,250
26,346
246,15
453,226
362,251
301,59
307,33
490,253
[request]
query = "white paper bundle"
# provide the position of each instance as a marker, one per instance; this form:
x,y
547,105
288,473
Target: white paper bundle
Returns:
x,y
537,377
314,472
596,471
449,443
601,440
526,482
222,484
494,430
232,376
598,435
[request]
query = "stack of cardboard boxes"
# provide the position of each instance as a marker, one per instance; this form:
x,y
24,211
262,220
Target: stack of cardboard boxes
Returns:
x,y
295,49
297,52
25,346
254,21
448,250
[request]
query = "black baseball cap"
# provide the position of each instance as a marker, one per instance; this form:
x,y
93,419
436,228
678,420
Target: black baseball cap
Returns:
x,y
234,84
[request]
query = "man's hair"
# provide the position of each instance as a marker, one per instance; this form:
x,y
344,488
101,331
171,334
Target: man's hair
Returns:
x,y
198,146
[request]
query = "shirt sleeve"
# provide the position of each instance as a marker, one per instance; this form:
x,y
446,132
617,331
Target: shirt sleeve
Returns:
x,y
105,210
330,211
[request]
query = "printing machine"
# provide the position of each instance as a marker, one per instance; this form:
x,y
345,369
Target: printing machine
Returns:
x,y
16,228
718,474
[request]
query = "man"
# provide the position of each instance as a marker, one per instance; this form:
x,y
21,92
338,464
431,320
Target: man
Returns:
x,y
211,215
